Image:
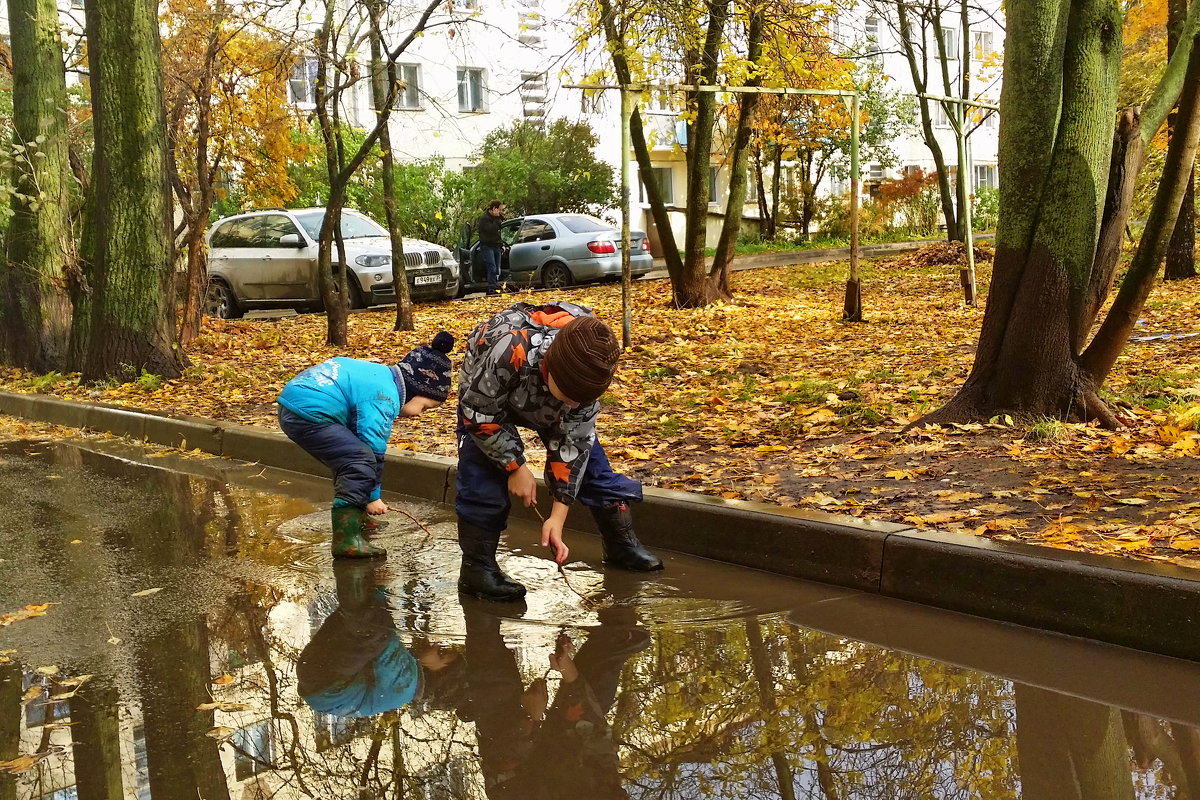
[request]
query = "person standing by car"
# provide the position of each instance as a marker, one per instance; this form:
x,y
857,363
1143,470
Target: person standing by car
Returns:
x,y
341,412
490,244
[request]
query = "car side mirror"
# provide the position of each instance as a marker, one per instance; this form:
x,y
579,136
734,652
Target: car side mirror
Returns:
x,y
291,240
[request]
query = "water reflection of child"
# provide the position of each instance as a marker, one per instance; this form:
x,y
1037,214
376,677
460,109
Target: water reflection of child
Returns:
x,y
530,748
356,664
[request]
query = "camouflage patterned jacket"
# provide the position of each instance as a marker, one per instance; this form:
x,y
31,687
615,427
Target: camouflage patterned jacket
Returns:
x,y
503,385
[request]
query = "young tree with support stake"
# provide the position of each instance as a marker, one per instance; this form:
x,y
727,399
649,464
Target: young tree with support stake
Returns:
x,y
335,42
1066,186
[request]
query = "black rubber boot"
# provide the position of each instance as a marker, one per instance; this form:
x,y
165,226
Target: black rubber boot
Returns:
x,y
480,575
348,540
621,546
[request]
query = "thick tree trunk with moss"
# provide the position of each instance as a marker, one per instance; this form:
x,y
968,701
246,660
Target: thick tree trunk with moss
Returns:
x,y
125,312
1070,749
1064,190
11,715
96,741
35,303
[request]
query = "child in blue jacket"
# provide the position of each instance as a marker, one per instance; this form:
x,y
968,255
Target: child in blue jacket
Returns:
x,y
341,412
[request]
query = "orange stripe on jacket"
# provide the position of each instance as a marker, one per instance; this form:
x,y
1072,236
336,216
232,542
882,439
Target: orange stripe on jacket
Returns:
x,y
552,319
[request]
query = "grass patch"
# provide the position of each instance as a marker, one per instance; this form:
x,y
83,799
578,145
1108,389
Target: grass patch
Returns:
x,y
1047,429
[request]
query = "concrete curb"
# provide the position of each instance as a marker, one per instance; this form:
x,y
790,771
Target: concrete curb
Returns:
x,y
1144,606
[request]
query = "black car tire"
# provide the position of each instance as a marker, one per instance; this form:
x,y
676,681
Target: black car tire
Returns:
x,y
355,296
556,276
220,302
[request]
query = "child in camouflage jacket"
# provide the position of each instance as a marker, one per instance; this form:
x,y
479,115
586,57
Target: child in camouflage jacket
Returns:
x,y
542,368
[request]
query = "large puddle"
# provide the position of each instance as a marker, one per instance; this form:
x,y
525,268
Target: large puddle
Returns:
x,y
199,643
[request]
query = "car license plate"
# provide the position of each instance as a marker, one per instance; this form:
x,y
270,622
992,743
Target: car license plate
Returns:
x,y
425,280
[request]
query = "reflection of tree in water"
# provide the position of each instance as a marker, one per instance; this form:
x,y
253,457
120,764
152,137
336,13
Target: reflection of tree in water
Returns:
x,y
748,709
744,709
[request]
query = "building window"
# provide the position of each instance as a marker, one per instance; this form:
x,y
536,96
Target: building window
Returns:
x,y
76,3
664,180
985,176
871,27
875,172
713,184
470,89
410,95
950,40
937,110
981,45
466,5
302,86
252,751
751,185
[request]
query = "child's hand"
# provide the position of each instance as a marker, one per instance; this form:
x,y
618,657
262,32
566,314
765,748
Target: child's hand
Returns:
x,y
552,537
377,507
522,485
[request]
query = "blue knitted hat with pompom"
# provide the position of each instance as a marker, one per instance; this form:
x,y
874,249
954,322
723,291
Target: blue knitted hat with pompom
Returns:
x,y
426,369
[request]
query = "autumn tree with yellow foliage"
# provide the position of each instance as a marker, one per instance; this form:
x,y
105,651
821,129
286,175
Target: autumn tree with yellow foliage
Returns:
x,y
227,115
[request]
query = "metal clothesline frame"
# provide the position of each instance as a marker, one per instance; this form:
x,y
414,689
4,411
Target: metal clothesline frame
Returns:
x,y
629,92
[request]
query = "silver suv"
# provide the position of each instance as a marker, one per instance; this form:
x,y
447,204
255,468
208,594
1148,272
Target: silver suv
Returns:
x,y
268,259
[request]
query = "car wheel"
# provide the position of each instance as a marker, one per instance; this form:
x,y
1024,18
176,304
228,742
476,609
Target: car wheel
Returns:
x,y
220,302
355,297
556,276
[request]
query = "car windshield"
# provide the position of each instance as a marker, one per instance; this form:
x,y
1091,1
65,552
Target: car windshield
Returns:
x,y
583,223
353,226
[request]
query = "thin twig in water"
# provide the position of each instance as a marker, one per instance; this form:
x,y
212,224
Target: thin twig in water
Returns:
x,y
414,519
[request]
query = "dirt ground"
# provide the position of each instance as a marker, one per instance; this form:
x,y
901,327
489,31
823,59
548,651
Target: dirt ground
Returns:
x,y
772,398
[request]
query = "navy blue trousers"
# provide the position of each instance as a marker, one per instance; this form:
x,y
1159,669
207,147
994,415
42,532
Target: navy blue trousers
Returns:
x,y
482,487
492,256
356,468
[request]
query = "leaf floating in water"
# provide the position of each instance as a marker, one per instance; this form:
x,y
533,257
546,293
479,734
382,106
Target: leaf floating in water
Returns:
x,y
220,733
224,680
77,541
77,681
113,640
147,592
223,707
50,670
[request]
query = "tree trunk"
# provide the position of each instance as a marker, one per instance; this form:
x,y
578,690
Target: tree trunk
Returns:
x,y
732,226
690,284
96,742
1181,253
1070,749
382,76
35,303
124,321
11,716
765,219
760,660
1055,163
197,200
918,67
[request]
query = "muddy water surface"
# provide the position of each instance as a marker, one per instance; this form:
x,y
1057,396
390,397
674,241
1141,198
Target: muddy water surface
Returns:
x,y
201,643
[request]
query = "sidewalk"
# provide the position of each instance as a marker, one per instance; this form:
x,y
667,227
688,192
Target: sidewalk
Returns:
x,y
1139,605
787,258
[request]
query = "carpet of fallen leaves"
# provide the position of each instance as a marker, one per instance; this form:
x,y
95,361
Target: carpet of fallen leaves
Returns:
x,y
771,397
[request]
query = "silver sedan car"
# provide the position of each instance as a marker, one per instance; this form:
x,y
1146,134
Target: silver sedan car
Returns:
x,y
557,250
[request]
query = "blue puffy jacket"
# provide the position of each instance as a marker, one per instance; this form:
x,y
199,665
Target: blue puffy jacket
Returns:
x,y
364,396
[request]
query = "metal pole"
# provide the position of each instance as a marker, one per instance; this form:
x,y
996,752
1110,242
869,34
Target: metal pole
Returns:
x,y
854,188
966,276
852,307
626,210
